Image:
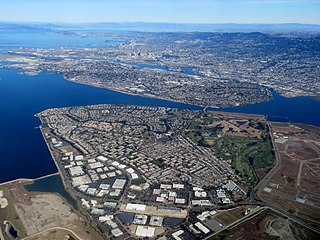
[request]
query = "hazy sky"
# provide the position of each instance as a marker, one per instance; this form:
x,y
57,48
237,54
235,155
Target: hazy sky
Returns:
x,y
180,11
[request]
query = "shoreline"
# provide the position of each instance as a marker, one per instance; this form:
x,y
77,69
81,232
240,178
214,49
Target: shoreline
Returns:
x,y
59,172
163,98
23,72
29,179
133,94
195,108
51,154
269,88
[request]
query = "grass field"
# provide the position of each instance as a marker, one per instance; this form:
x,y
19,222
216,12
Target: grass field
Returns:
x,y
226,218
245,142
11,214
60,234
138,181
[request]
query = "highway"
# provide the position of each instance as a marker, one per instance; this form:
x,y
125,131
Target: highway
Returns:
x,y
253,198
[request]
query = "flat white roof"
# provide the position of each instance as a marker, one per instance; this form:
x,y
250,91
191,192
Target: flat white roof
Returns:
x,y
160,199
176,234
203,228
115,163
130,170
165,186
79,157
178,186
119,183
145,231
96,165
122,166
180,200
133,206
102,158
116,232
134,176
76,181
76,171
104,186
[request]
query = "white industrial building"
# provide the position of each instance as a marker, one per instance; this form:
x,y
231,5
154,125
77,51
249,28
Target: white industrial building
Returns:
x,y
76,181
142,231
136,207
116,232
102,158
95,165
79,157
119,183
76,171
201,227
176,235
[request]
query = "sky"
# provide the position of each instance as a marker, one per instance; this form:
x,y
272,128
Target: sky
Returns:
x,y
177,11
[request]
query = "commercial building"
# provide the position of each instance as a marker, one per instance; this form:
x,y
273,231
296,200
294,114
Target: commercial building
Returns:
x,y
142,231
136,207
119,183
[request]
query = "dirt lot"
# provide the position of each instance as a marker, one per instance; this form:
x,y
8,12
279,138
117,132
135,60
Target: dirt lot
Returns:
x,y
295,185
32,213
285,178
310,176
263,226
44,211
55,234
300,150
293,207
254,228
232,215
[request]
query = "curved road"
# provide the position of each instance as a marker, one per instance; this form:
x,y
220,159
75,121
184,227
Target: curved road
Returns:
x,y
53,228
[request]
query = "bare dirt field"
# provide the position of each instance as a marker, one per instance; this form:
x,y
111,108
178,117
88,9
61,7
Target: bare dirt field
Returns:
x,y
54,234
254,228
32,213
232,215
266,225
295,183
44,211
310,177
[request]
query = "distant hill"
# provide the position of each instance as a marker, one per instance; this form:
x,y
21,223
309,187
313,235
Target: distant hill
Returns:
x,y
164,27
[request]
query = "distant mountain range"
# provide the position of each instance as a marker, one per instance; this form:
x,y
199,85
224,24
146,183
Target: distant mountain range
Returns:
x,y
162,27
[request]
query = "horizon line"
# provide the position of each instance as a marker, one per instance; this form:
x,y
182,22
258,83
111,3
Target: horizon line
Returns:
x,y
160,22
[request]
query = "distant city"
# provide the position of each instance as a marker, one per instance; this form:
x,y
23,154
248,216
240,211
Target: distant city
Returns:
x,y
191,170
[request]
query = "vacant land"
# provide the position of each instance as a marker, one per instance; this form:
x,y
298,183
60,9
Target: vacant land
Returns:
x,y
242,139
254,228
55,234
226,218
295,183
232,215
266,225
33,213
44,211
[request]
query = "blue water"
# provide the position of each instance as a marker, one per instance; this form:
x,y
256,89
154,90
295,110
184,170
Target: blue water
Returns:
x,y
12,39
184,69
297,110
23,151
51,184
